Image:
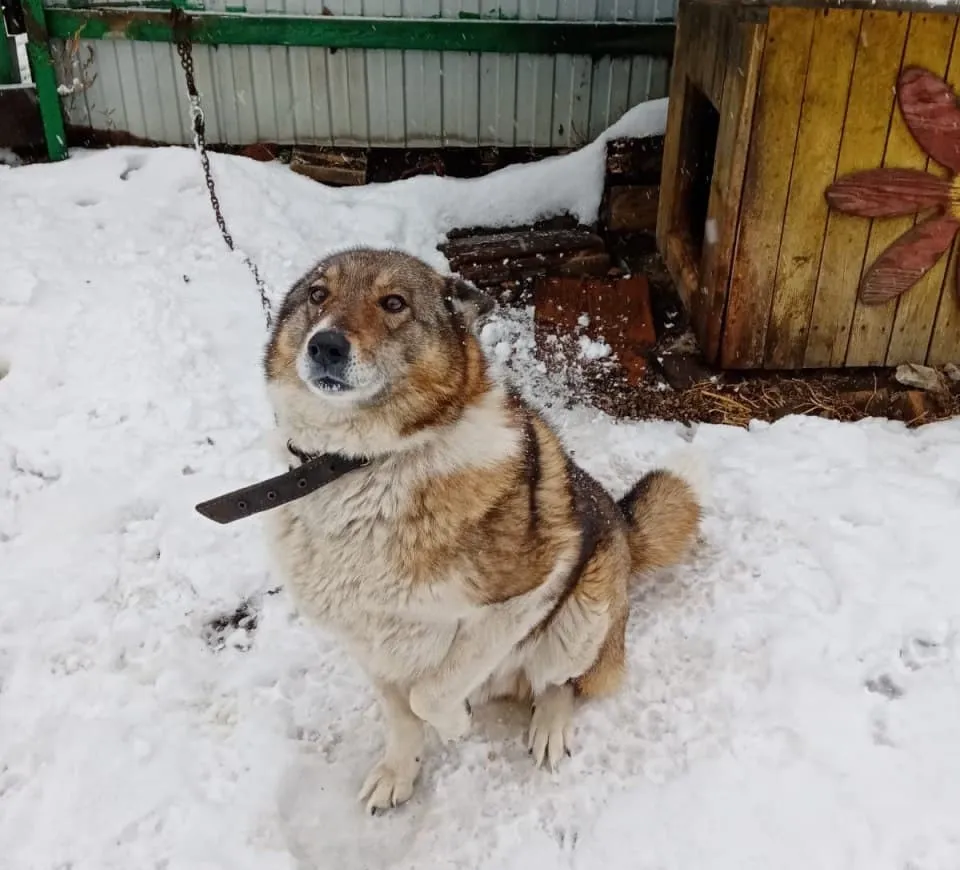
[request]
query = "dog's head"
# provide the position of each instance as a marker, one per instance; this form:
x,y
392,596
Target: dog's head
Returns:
x,y
365,328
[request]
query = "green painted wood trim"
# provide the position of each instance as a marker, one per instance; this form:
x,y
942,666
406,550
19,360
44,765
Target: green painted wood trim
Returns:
x,y
470,35
44,79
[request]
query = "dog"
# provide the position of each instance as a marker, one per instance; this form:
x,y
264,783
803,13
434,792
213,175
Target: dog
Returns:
x,y
470,558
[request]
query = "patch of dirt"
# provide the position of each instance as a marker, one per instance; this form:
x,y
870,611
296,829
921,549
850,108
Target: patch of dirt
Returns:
x,y
736,399
679,386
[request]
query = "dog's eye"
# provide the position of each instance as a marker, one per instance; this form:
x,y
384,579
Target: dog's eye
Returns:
x,y
318,295
393,303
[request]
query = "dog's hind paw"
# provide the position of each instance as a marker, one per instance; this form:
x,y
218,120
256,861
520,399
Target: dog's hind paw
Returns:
x,y
387,786
548,739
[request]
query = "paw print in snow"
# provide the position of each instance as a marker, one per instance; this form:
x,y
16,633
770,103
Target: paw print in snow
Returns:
x,y
235,629
921,651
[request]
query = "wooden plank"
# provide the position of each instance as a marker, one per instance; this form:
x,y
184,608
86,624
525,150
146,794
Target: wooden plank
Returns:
x,y
494,260
671,141
929,42
499,274
618,310
496,247
744,56
707,51
836,34
634,161
693,43
329,166
631,208
773,141
723,34
683,270
945,341
882,36
917,308
945,336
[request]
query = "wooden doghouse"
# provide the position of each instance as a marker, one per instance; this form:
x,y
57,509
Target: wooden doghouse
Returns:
x,y
772,106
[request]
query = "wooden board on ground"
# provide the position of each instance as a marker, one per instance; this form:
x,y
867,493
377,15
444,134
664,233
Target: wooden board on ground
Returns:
x,y
492,260
617,311
330,166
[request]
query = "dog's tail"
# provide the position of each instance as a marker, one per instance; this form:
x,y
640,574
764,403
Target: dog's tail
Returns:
x,y
663,511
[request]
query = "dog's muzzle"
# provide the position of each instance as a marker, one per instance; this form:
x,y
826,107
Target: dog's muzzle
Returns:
x,y
328,353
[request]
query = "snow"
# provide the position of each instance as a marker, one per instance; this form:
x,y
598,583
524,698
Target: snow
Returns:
x,y
794,690
591,349
8,158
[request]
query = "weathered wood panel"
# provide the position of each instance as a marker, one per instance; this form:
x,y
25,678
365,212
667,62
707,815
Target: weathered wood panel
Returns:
x,y
945,337
945,341
704,46
722,25
671,150
773,142
929,44
707,49
836,34
743,57
882,37
917,308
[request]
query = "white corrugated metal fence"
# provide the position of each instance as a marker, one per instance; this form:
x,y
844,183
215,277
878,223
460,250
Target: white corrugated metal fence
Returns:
x,y
371,97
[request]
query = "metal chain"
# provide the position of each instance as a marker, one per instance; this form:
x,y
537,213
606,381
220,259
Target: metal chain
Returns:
x,y
185,50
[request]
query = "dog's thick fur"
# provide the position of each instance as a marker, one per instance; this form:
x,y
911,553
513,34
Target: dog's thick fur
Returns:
x,y
471,558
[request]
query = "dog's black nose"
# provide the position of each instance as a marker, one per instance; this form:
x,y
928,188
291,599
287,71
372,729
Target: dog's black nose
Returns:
x,y
329,348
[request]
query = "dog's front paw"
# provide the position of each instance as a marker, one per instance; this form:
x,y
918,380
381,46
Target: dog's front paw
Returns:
x,y
549,737
450,721
388,785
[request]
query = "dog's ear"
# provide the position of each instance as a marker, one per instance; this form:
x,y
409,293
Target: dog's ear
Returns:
x,y
467,300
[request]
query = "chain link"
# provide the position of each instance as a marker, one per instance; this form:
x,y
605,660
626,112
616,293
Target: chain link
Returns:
x,y
185,50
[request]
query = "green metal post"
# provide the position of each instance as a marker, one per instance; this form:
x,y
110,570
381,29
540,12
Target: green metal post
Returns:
x,y
44,79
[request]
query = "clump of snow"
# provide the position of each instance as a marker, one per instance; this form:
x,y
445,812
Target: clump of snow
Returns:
x,y
590,349
76,86
793,691
9,158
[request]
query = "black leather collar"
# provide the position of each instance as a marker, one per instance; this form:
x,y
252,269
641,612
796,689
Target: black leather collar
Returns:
x,y
315,471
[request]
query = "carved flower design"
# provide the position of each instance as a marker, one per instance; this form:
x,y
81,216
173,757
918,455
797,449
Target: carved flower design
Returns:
x,y
932,115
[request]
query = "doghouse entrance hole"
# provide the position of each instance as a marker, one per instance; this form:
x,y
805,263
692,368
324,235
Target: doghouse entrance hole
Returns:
x,y
698,146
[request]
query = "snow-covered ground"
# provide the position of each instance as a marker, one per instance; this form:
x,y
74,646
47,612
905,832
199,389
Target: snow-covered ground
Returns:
x,y
794,694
